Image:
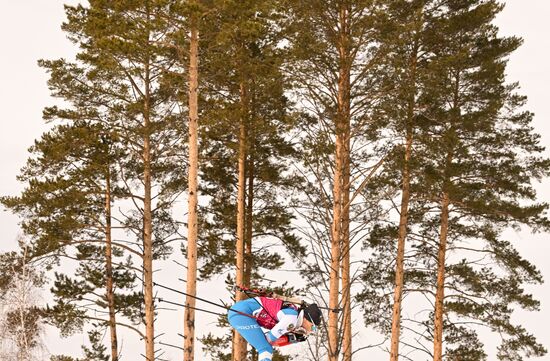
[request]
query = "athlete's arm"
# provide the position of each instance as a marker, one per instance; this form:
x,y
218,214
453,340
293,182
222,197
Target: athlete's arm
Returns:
x,y
287,322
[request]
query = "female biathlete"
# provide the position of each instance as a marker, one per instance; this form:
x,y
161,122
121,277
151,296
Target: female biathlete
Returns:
x,y
286,323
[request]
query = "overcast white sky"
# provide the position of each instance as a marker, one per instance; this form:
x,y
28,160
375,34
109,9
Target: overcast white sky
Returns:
x,y
30,30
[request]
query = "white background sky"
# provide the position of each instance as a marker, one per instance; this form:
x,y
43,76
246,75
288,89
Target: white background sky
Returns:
x,y
30,30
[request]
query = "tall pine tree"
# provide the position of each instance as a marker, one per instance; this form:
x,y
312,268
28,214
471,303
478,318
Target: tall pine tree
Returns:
x,y
335,54
245,126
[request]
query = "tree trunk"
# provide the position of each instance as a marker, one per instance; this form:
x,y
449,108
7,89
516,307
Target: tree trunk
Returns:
x,y
336,240
444,228
346,271
147,222
239,346
400,259
403,217
148,249
342,119
249,264
249,218
189,323
109,270
440,288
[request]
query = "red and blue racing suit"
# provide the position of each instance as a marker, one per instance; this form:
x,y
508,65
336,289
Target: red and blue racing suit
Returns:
x,y
267,313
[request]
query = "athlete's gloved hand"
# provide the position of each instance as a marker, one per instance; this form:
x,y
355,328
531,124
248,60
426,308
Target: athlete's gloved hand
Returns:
x,y
288,339
284,340
300,337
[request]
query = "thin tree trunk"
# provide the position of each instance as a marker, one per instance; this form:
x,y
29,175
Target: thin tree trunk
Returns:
x,y
342,119
249,264
147,222
189,318
346,271
444,230
336,241
399,267
250,195
403,218
148,251
239,347
249,219
440,290
109,270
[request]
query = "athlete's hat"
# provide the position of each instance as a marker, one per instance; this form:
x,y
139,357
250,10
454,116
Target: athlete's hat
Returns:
x,y
313,314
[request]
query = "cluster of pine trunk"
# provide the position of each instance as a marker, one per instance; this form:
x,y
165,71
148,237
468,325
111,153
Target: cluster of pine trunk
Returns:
x,y
373,145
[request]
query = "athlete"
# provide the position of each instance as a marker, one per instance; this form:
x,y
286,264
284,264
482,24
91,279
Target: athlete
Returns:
x,y
284,322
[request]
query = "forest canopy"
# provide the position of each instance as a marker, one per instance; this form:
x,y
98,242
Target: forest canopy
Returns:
x,y
365,156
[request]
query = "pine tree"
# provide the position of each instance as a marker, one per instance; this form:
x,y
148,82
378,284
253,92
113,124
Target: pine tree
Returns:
x,y
335,54
192,224
483,158
124,41
478,157
244,128
67,202
118,85
405,33
462,63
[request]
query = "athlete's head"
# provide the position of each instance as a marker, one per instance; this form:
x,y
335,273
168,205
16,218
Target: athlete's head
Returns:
x,y
309,318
